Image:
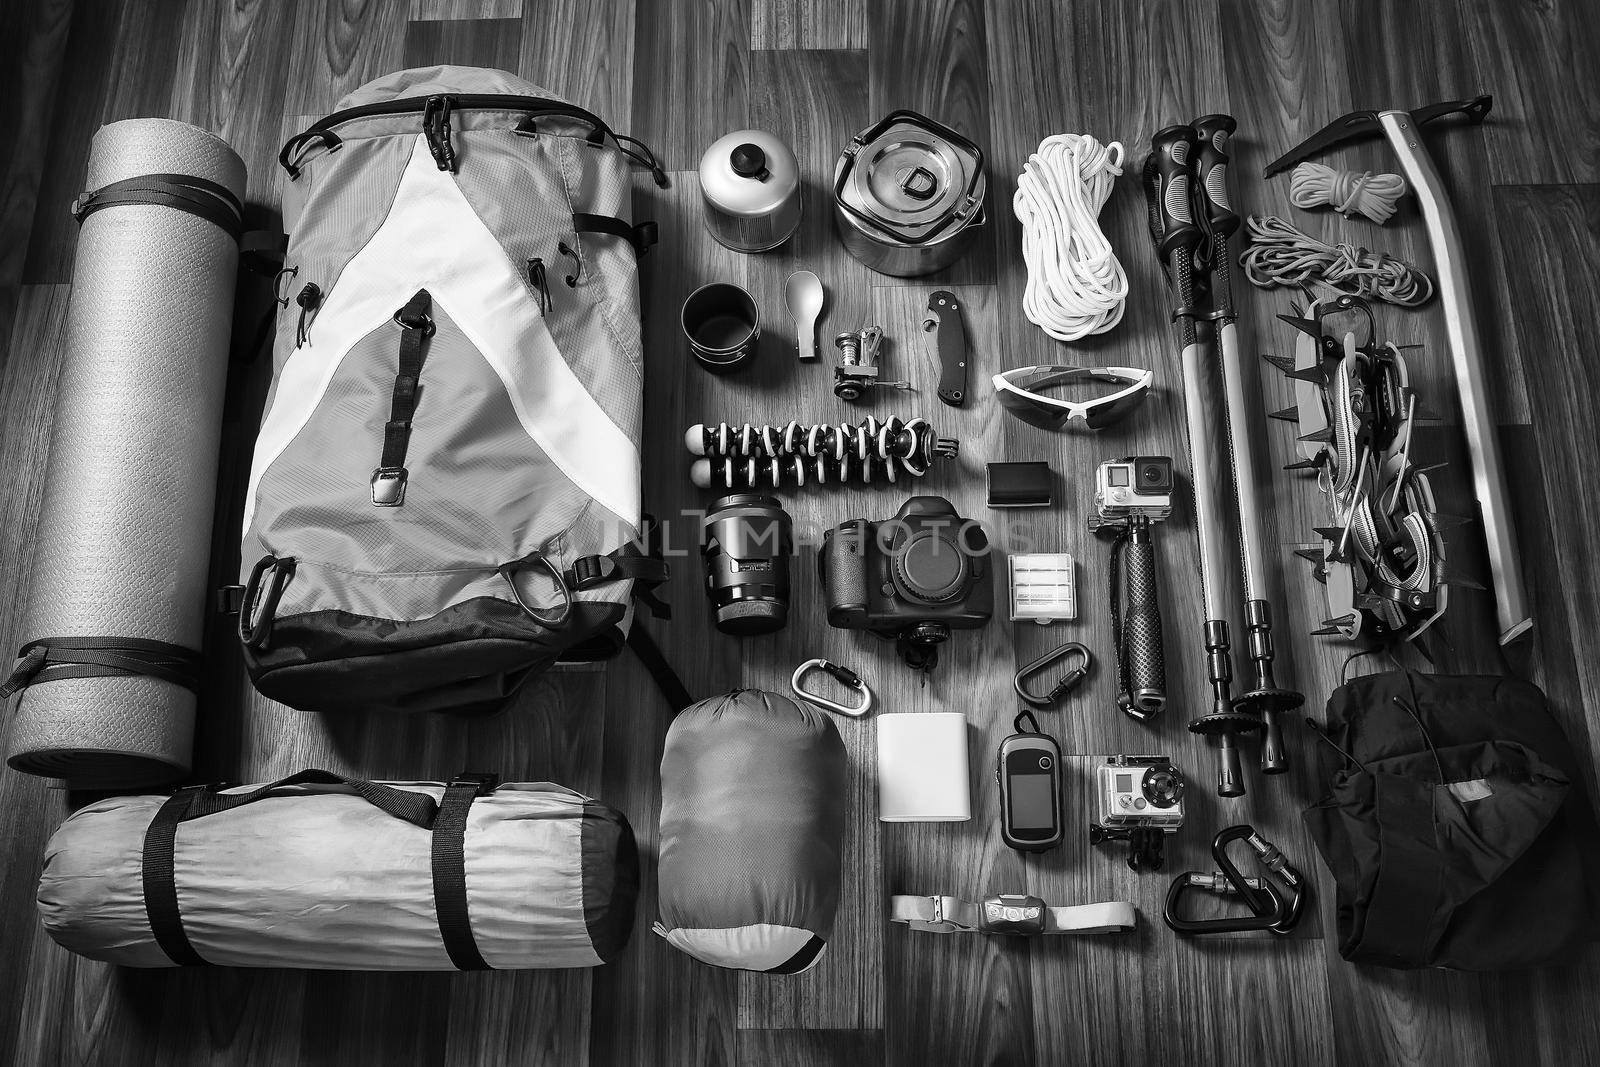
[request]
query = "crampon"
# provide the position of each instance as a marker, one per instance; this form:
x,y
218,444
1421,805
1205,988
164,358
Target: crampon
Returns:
x,y
1382,560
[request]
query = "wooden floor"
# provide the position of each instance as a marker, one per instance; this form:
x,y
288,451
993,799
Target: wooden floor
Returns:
x,y
679,73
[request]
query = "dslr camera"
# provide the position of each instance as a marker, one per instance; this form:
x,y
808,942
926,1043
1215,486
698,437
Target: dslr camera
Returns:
x,y
1137,486
914,577
1140,800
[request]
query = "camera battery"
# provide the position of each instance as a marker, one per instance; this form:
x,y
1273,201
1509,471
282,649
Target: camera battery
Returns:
x,y
1043,587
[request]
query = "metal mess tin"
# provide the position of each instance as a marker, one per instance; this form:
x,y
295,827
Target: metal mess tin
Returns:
x,y
908,195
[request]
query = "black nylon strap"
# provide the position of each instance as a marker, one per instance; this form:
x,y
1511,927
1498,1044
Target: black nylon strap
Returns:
x,y
641,237
660,670
418,809
197,802
416,326
450,870
160,887
52,659
184,192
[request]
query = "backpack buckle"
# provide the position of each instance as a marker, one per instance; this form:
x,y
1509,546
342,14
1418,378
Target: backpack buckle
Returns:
x,y
590,571
389,487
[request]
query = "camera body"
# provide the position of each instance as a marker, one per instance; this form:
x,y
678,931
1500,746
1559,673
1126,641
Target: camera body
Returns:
x,y
1139,791
915,576
1136,486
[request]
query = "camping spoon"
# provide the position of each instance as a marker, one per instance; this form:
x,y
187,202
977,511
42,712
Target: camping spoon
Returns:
x,y
803,295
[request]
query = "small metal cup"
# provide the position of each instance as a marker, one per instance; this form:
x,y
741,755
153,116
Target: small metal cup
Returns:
x,y
722,325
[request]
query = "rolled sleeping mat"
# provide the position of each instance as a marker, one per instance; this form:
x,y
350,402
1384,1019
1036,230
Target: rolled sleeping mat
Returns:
x,y
752,826
322,871
116,608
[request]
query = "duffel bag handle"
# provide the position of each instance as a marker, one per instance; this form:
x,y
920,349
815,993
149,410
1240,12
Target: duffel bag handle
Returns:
x,y
418,809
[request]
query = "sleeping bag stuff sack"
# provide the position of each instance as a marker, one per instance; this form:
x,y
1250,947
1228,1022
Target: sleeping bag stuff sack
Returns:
x,y
1456,826
321,871
752,824
444,496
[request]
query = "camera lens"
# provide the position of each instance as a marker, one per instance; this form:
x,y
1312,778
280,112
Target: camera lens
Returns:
x,y
746,541
1162,786
1155,475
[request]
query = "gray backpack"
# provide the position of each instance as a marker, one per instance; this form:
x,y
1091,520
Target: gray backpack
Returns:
x,y
444,496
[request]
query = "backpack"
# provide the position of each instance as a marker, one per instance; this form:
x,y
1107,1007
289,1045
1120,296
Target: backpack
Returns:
x,y
1456,827
445,490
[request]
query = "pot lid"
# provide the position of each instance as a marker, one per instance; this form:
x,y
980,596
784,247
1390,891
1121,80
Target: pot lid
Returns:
x,y
912,175
748,172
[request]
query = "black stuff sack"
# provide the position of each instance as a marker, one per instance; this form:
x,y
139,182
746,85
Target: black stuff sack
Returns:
x,y
1456,827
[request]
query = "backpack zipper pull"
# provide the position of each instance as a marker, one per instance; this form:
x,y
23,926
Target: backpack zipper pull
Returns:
x,y
436,128
537,278
309,299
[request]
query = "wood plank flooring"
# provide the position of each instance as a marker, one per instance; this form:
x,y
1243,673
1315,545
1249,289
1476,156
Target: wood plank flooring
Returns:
x,y
679,73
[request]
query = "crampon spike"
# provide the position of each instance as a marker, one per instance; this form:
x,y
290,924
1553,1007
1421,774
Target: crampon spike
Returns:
x,y
1288,414
1283,363
1308,327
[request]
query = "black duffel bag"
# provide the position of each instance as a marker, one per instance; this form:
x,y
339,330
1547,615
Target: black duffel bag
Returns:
x,y
1456,826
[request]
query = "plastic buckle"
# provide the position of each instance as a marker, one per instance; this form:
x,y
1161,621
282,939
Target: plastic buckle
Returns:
x,y
230,599
588,571
389,487
843,675
484,781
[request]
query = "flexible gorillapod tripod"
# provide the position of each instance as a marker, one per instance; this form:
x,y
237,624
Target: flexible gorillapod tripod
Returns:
x,y
1185,179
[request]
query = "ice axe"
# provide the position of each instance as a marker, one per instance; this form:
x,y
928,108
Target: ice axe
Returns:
x,y
1403,131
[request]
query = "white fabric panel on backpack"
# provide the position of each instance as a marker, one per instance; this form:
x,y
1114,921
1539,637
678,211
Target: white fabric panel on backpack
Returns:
x,y
433,240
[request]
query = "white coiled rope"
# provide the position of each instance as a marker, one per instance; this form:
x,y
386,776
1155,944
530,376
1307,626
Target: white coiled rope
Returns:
x,y
1076,286
1346,191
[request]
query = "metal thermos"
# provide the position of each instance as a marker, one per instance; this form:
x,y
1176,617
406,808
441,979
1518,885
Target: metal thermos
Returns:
x,y
751,186
908,195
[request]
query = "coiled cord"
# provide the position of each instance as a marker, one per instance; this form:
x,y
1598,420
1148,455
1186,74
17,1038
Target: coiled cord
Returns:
x,y
1076,286
1279,254
1313,185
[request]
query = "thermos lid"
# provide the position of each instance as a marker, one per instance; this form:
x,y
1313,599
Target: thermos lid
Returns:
x,y
910,177
748,172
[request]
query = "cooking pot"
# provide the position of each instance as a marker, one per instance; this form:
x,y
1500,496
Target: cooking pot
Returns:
x,y
908,195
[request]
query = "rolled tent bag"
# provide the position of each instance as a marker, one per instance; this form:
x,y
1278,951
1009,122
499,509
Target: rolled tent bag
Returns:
x,y
322,871
115,613
752,824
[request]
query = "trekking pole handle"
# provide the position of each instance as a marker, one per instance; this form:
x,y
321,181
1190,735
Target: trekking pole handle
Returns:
x,y
1167,178
1211,171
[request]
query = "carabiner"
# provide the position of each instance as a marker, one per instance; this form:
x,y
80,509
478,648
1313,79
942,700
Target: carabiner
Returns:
x,y
1274,908
843,675
1065,685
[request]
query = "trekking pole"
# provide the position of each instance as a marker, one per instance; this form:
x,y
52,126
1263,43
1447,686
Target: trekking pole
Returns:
x,y
1264,697
1168,173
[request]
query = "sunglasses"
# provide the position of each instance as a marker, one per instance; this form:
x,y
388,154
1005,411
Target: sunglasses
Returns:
x,y
1018,393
